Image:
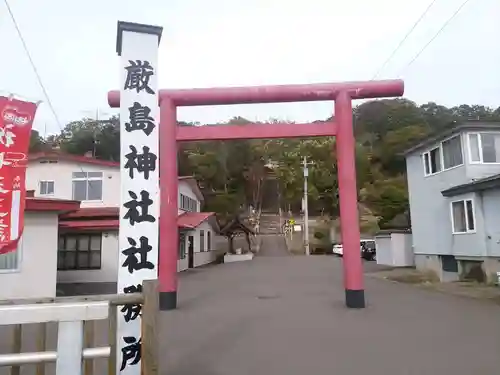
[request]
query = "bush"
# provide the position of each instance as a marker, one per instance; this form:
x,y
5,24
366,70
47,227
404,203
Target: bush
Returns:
x,y
319,235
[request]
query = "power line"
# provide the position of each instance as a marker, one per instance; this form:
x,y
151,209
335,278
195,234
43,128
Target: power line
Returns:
x,y
404,39
37,74
435,36
35,70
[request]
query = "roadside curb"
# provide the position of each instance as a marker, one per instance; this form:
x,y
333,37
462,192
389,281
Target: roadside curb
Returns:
x,y
436,288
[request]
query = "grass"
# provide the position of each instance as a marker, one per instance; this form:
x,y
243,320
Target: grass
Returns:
x,y
429,280
414,277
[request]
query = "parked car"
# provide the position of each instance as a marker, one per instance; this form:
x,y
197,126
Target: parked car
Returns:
x,y
337,249
367,249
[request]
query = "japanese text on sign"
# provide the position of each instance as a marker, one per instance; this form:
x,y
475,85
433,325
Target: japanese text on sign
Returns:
x,y
16,119
138,235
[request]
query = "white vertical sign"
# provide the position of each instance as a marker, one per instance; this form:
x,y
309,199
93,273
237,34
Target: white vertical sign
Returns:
x,y
139,206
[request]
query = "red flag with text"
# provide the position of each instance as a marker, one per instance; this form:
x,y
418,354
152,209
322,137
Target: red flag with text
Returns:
x,y
16,121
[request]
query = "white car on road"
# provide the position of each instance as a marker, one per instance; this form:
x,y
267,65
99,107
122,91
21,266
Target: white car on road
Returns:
x,y
337,249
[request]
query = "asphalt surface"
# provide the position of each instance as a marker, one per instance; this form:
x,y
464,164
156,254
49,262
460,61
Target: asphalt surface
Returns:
x,y
285,315
273,246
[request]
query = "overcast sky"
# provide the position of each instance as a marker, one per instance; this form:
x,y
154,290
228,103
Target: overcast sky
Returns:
x,y
250,42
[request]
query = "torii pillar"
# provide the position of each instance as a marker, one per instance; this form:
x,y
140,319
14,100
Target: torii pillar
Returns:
x,y
341,127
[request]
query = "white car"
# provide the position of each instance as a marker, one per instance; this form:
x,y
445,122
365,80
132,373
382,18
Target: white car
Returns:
x,y
337,249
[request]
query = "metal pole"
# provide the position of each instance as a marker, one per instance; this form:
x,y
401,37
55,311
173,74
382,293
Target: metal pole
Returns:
x,y
93,132
306,208
15,359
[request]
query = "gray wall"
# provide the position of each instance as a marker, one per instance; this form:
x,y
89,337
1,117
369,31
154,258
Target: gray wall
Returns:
x,y
491,211
430,211
468,244
477,171
35,274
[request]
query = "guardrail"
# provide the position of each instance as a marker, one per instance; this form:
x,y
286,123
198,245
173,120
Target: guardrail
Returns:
x,y
75,317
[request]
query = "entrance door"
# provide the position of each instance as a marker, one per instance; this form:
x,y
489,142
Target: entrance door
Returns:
x,y
190,252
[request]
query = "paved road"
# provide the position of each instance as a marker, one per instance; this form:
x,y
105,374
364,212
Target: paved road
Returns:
x,y
285,315
273,245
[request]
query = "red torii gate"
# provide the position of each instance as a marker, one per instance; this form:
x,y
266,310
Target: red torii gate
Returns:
x,y
341,127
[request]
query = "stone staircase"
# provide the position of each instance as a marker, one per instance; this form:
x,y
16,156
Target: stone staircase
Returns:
x,y
269,223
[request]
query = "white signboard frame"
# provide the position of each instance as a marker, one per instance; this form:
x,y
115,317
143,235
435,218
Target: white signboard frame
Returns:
x,y
137,46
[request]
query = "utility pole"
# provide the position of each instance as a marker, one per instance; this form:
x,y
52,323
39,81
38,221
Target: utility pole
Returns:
x,y
93,133
306,207
94,117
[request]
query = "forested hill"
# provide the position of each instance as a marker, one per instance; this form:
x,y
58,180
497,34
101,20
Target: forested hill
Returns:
x,y
231,174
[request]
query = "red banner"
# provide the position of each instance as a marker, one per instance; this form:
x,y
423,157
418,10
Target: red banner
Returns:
x,y
16,121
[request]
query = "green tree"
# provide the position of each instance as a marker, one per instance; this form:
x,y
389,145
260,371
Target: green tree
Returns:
x,y
233,174
437,116
396,142
386,197
37,143
100,137
466,112
378,117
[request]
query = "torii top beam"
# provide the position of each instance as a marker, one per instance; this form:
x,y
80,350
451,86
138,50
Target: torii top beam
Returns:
x,y
275,94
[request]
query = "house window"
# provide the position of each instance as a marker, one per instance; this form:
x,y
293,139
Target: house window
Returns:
x,y
474,148
445,156
484,147
432,161
452,152
202,240
462,215
46,187
209,240
187,204
87,186
9,262
79,252
182,246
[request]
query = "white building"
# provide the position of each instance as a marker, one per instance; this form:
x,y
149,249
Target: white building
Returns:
x,y
84,239
30,271
454,192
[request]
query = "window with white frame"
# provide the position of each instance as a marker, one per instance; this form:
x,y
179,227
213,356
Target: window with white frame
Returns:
x,y
187,204
46,187
87,186
484,147
462,216
445,156
202,240
182,246
452,152
432,161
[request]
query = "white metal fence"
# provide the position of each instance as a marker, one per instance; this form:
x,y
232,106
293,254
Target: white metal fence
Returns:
x,y
70,318
70,315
